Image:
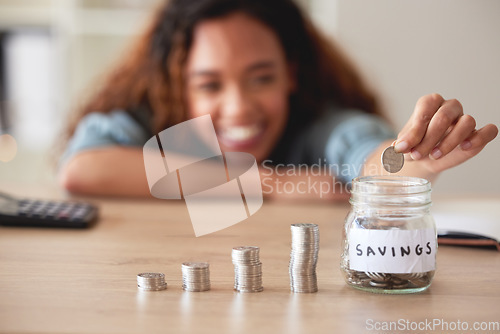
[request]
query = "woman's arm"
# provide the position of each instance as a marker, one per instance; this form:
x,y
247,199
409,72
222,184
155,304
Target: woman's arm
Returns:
x,y
119,171
114,171
438,136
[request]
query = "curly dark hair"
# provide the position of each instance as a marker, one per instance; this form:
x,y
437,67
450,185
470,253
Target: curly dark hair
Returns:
x,y
151,73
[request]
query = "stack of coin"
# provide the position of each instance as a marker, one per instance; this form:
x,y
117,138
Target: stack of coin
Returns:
x,y
247,269
303,258
195,276
151,281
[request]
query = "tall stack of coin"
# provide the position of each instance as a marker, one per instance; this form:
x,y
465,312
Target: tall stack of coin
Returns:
x,y
195,276
303,257
247,269
151,281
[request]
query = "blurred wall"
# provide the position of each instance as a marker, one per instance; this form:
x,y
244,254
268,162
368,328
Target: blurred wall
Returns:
x,y
407,49
55,51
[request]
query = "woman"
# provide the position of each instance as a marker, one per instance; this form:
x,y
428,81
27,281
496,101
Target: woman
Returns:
x,y
274,88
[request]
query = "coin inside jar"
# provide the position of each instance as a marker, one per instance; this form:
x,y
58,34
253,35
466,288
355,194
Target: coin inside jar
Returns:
x,y
391,160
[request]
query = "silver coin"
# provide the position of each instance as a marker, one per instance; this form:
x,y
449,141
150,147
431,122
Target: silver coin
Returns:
x,y
391,160
149,276
379,284
152,288
410,276
195,265
379,277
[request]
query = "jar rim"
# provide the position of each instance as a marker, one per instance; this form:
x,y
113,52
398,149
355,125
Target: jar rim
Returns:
x,y
390,185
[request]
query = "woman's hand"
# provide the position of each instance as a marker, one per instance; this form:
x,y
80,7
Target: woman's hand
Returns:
x,y
439,135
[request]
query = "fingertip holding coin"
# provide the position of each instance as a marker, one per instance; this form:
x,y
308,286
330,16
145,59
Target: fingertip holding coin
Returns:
x,y
8,148
400,146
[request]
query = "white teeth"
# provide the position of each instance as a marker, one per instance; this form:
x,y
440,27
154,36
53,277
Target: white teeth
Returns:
x,y
241,133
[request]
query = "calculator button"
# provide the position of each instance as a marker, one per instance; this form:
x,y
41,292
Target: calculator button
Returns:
x,y
39,211
79,214
62,216
25,206
66,212
53,210
37,204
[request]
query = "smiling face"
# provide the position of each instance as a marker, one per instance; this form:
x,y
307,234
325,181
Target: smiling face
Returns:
x,y
237,72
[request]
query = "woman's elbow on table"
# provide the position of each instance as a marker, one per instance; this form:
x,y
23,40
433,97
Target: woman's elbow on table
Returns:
x,y
114,171
79,175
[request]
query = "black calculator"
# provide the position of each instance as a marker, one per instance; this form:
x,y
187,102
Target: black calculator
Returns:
x,y
46,213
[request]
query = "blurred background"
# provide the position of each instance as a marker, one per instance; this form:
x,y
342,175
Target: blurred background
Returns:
x,y
52,52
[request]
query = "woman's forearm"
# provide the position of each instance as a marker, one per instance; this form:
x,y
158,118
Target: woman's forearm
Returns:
x,y
114,171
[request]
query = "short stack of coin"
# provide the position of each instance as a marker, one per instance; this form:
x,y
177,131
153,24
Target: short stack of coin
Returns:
x,y
195,276
151,281
304,257
247,269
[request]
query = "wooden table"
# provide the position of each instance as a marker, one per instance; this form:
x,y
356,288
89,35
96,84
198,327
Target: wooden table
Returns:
x,y
84,281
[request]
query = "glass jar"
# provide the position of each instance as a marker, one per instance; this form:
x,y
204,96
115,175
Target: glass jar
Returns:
x,y
389,238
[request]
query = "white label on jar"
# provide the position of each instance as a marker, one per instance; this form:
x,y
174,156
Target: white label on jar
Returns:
x,y
392,251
